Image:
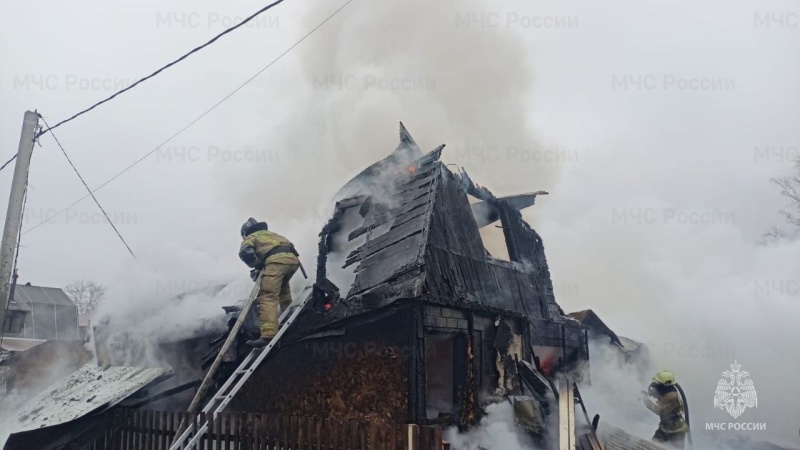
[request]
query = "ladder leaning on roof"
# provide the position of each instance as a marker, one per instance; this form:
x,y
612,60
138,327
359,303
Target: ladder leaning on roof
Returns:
x,y
189,437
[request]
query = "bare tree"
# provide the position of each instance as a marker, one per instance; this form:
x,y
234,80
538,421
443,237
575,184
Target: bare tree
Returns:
x,y
85,294
790,187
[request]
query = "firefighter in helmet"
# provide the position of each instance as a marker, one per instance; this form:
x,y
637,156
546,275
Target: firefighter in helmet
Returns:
x,y
670,408
274,257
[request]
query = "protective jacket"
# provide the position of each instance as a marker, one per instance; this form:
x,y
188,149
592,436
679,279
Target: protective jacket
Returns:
x,y
262,246
669,408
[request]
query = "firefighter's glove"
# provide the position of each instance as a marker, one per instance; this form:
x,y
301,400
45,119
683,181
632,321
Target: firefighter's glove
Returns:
x,y
254,274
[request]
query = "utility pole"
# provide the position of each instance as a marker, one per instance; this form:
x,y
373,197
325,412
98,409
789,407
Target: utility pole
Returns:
x,y
14,215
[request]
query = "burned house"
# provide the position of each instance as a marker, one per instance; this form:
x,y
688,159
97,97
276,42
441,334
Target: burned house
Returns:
x,y
432,297
413,319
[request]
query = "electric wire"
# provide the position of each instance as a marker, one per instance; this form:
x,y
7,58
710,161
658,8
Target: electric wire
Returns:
x,y
142,80
179,132
9,161
88,189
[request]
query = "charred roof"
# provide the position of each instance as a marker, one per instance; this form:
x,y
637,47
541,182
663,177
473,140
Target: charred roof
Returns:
x,y
406,229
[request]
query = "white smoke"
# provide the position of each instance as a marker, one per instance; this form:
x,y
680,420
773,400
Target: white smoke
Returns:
x,y
171,294
699,295
497,430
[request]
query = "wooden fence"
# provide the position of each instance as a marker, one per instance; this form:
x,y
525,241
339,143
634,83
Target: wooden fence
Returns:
x,y
154,430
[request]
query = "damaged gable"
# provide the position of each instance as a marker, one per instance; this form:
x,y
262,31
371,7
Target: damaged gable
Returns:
x,y
419,237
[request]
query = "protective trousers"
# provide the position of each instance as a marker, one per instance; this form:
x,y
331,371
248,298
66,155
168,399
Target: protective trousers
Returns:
x,y
274,295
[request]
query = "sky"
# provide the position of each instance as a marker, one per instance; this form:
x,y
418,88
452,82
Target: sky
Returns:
x,y
655,126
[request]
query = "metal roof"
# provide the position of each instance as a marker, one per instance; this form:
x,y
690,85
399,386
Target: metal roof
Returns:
x,y
18,344
86,390
39,294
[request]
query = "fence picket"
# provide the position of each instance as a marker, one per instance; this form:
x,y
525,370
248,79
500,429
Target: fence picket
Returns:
x,y
127,429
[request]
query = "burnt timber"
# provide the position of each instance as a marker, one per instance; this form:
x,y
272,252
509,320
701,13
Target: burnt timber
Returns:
x,y
428,324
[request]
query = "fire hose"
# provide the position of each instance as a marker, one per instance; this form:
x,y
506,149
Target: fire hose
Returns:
x,y
686,409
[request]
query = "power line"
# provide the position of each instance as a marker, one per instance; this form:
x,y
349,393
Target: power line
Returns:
x,y
195,50
88,189
193,121
9,161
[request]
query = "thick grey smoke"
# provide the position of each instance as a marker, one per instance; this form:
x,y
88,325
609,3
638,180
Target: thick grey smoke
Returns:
x,y
375,64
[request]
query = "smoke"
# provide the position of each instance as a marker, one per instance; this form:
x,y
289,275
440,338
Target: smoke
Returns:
x,y
172,294
652,224
374,65
697,290
497,430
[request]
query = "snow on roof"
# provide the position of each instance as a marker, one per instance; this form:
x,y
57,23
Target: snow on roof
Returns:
x,y
18,344
86,390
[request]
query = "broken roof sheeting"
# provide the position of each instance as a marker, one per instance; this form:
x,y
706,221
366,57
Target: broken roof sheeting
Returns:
x,y
85,391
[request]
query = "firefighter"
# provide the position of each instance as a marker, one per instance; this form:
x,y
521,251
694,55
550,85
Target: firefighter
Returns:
x,y
669,406
276,258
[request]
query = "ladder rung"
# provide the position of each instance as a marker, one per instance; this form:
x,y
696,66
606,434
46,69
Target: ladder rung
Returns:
x,y
220,397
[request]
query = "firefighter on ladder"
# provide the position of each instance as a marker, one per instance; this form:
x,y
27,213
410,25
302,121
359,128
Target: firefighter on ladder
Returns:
x,y
669,406
272,254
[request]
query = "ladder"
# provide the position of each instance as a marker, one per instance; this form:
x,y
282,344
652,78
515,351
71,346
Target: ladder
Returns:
x,y
239,377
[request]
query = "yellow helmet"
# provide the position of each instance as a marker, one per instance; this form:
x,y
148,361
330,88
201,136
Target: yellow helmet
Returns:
x,y
665,377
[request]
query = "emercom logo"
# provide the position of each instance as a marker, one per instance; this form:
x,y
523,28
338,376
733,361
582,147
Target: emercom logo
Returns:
x,y
735,392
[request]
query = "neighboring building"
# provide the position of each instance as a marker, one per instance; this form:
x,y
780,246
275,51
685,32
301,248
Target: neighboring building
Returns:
x,y
51,315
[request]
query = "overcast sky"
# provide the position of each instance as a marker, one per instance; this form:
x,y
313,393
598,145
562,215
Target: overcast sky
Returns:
x,y
655,126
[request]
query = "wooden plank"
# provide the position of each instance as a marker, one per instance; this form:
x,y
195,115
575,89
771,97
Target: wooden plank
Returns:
x,y
327,439
294,432
204,439
566,428
350,435
247,431
373,436
302,423
154,432
137,433
218,431
158,432
426,438
363,435
317,434
437,438
240,432
146,432
235,436
413,437
285,432
335,432
169,417
391,441
256,431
